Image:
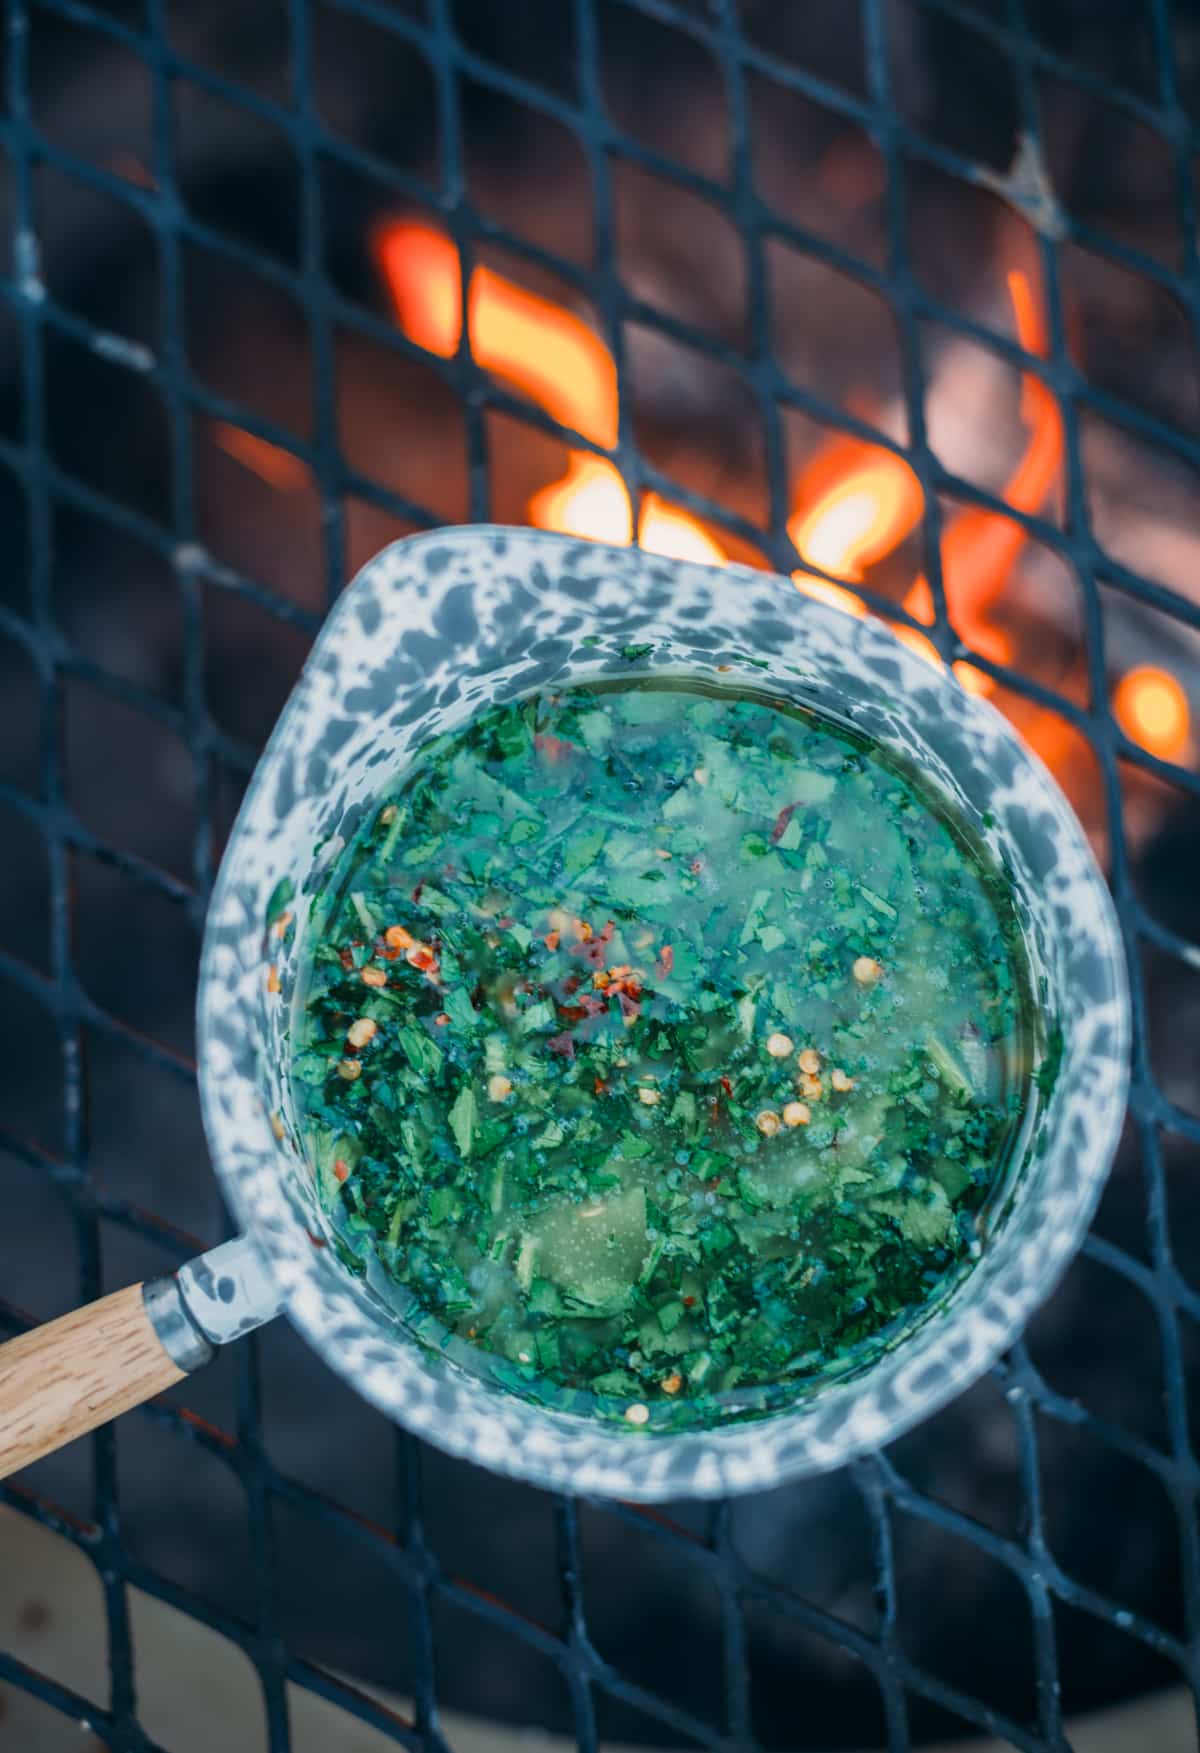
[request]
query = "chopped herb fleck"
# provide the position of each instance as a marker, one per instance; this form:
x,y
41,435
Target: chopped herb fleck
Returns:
x,y
666,1043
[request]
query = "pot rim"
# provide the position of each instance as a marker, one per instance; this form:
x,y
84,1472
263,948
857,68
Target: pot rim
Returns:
x,y
486,1424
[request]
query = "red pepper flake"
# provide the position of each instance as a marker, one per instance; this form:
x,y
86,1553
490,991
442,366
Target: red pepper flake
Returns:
x,y
317,1241
422,957
781,821
441,1019
726,1085
416,894
696,866
588,1005
554,748
689,1302
551,940
347,960
571,984
600,1087
341,1170
564,1044
666,958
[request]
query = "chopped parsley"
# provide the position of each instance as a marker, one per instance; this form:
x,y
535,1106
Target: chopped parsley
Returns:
x,y
666,1044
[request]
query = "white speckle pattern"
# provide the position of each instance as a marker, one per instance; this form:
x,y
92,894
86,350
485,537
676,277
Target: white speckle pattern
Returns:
x,y
431,629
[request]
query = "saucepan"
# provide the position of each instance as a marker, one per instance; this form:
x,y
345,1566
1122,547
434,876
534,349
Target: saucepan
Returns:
x,y
432,628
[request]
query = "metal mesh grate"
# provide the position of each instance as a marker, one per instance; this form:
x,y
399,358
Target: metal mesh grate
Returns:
x,y
104,1229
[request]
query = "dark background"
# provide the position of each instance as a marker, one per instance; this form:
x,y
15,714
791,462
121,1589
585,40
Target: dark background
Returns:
x,y
756,204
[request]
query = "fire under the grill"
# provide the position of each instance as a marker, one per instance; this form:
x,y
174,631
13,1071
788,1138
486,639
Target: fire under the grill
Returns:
x,y
353,434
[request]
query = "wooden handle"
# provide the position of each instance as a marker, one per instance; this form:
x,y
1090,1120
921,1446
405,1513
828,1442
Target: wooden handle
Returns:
x,y
62,1380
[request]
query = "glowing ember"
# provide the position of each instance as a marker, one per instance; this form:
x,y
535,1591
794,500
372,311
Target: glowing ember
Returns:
x,y
548,353
1152,709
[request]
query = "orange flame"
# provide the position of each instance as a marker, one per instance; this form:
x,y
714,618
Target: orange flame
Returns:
x,y
1152,709
671,531
918,643
981,548
835,595
558,362
868,499
873,502
856,503
590,500
277,467
548,353
973,681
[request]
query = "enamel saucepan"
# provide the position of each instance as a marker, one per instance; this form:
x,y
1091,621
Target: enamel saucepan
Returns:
x,y
431,629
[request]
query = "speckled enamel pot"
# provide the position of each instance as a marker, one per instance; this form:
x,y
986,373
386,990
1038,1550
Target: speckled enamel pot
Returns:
x,y
432,628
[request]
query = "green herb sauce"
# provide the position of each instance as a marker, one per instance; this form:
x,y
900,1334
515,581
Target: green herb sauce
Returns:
x,y
666,1044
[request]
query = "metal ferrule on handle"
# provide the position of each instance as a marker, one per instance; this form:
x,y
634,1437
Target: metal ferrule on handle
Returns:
x,y
61,1380
212,1301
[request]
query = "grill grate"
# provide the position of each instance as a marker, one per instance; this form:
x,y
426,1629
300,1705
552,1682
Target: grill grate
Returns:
x,y
705,1548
